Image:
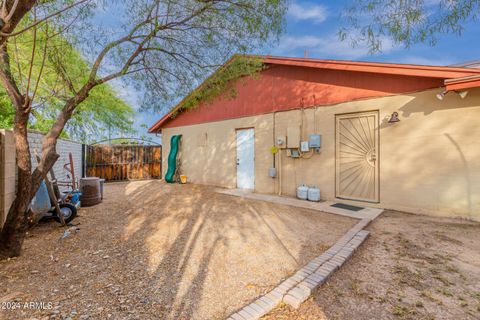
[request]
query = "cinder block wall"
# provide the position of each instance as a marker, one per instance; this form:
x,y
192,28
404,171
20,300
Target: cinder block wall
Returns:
x,y
8,168
64,147
7,173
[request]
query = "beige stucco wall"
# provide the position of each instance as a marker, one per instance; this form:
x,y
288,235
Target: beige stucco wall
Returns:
x,y
208,151
429,161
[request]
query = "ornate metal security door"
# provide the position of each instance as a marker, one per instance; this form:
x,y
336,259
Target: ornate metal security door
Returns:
x,y
357,156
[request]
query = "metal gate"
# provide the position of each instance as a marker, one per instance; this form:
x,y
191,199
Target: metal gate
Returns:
x,y
124,162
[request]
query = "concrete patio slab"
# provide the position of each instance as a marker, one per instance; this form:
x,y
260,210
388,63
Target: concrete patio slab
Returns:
x,y
324,206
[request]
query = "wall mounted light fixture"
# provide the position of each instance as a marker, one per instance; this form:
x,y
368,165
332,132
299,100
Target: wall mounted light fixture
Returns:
x,y
394,118
441,95
462,94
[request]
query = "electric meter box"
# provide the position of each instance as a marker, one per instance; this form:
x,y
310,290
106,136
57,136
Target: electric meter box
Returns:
x,y
293,136
304,146
314,141
281,142
294,153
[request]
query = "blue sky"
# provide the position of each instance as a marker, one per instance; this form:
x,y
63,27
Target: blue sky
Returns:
x,y
313,26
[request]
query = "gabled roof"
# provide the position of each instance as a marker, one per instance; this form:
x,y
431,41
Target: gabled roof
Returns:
x,y
448,73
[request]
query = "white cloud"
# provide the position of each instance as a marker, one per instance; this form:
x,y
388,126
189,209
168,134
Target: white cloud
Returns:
x,y
290,43
306,11
326,47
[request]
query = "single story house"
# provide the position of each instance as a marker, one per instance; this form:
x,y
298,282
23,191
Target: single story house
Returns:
x,y
396,136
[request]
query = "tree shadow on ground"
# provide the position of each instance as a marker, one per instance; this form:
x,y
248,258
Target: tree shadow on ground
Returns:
x,y
190,252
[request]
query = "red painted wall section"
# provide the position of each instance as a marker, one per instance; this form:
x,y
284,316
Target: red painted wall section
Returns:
x,y
289,87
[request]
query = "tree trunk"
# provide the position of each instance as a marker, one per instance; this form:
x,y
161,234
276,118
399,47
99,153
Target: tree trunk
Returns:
x,y
16,225
13,233
15,228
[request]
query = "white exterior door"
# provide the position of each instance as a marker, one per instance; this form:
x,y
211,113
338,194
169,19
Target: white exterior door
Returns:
x,y
357,156
245,159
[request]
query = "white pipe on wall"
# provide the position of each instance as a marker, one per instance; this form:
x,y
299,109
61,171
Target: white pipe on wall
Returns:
x,y
280,172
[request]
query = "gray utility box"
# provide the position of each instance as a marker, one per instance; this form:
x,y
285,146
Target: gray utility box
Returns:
x,y
314,141
272,172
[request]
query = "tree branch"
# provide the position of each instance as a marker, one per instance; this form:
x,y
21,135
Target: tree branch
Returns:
x,y
11,34
34,46
7,79
23,7
12,11
43,62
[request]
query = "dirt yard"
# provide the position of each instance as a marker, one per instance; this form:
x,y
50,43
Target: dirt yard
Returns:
x,y
411,267
158,251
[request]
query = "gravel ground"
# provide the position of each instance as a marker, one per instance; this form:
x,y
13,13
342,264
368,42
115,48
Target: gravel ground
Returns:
x,y
157,251
411,267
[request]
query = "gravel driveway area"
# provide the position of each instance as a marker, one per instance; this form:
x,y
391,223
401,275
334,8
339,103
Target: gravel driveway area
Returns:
x,y
160,251
412,267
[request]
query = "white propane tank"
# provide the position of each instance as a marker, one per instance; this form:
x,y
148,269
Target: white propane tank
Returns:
x,y
313,193
302,192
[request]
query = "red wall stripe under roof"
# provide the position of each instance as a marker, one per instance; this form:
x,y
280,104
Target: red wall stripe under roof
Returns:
x,y
292,83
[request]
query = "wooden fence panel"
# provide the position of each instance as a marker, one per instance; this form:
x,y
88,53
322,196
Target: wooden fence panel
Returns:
x,y
124,162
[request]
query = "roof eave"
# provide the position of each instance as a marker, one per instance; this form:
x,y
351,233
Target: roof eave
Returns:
x,y
462,83
375,67
156,127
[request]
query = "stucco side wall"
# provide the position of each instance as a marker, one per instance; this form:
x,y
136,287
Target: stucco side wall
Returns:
x,y
429,161
208,151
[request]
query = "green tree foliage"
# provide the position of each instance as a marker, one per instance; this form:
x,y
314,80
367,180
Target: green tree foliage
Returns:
x,y
64,71
208,33
165,47
6,110
406,22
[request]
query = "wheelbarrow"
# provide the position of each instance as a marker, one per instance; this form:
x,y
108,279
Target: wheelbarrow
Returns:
x,y
41,204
